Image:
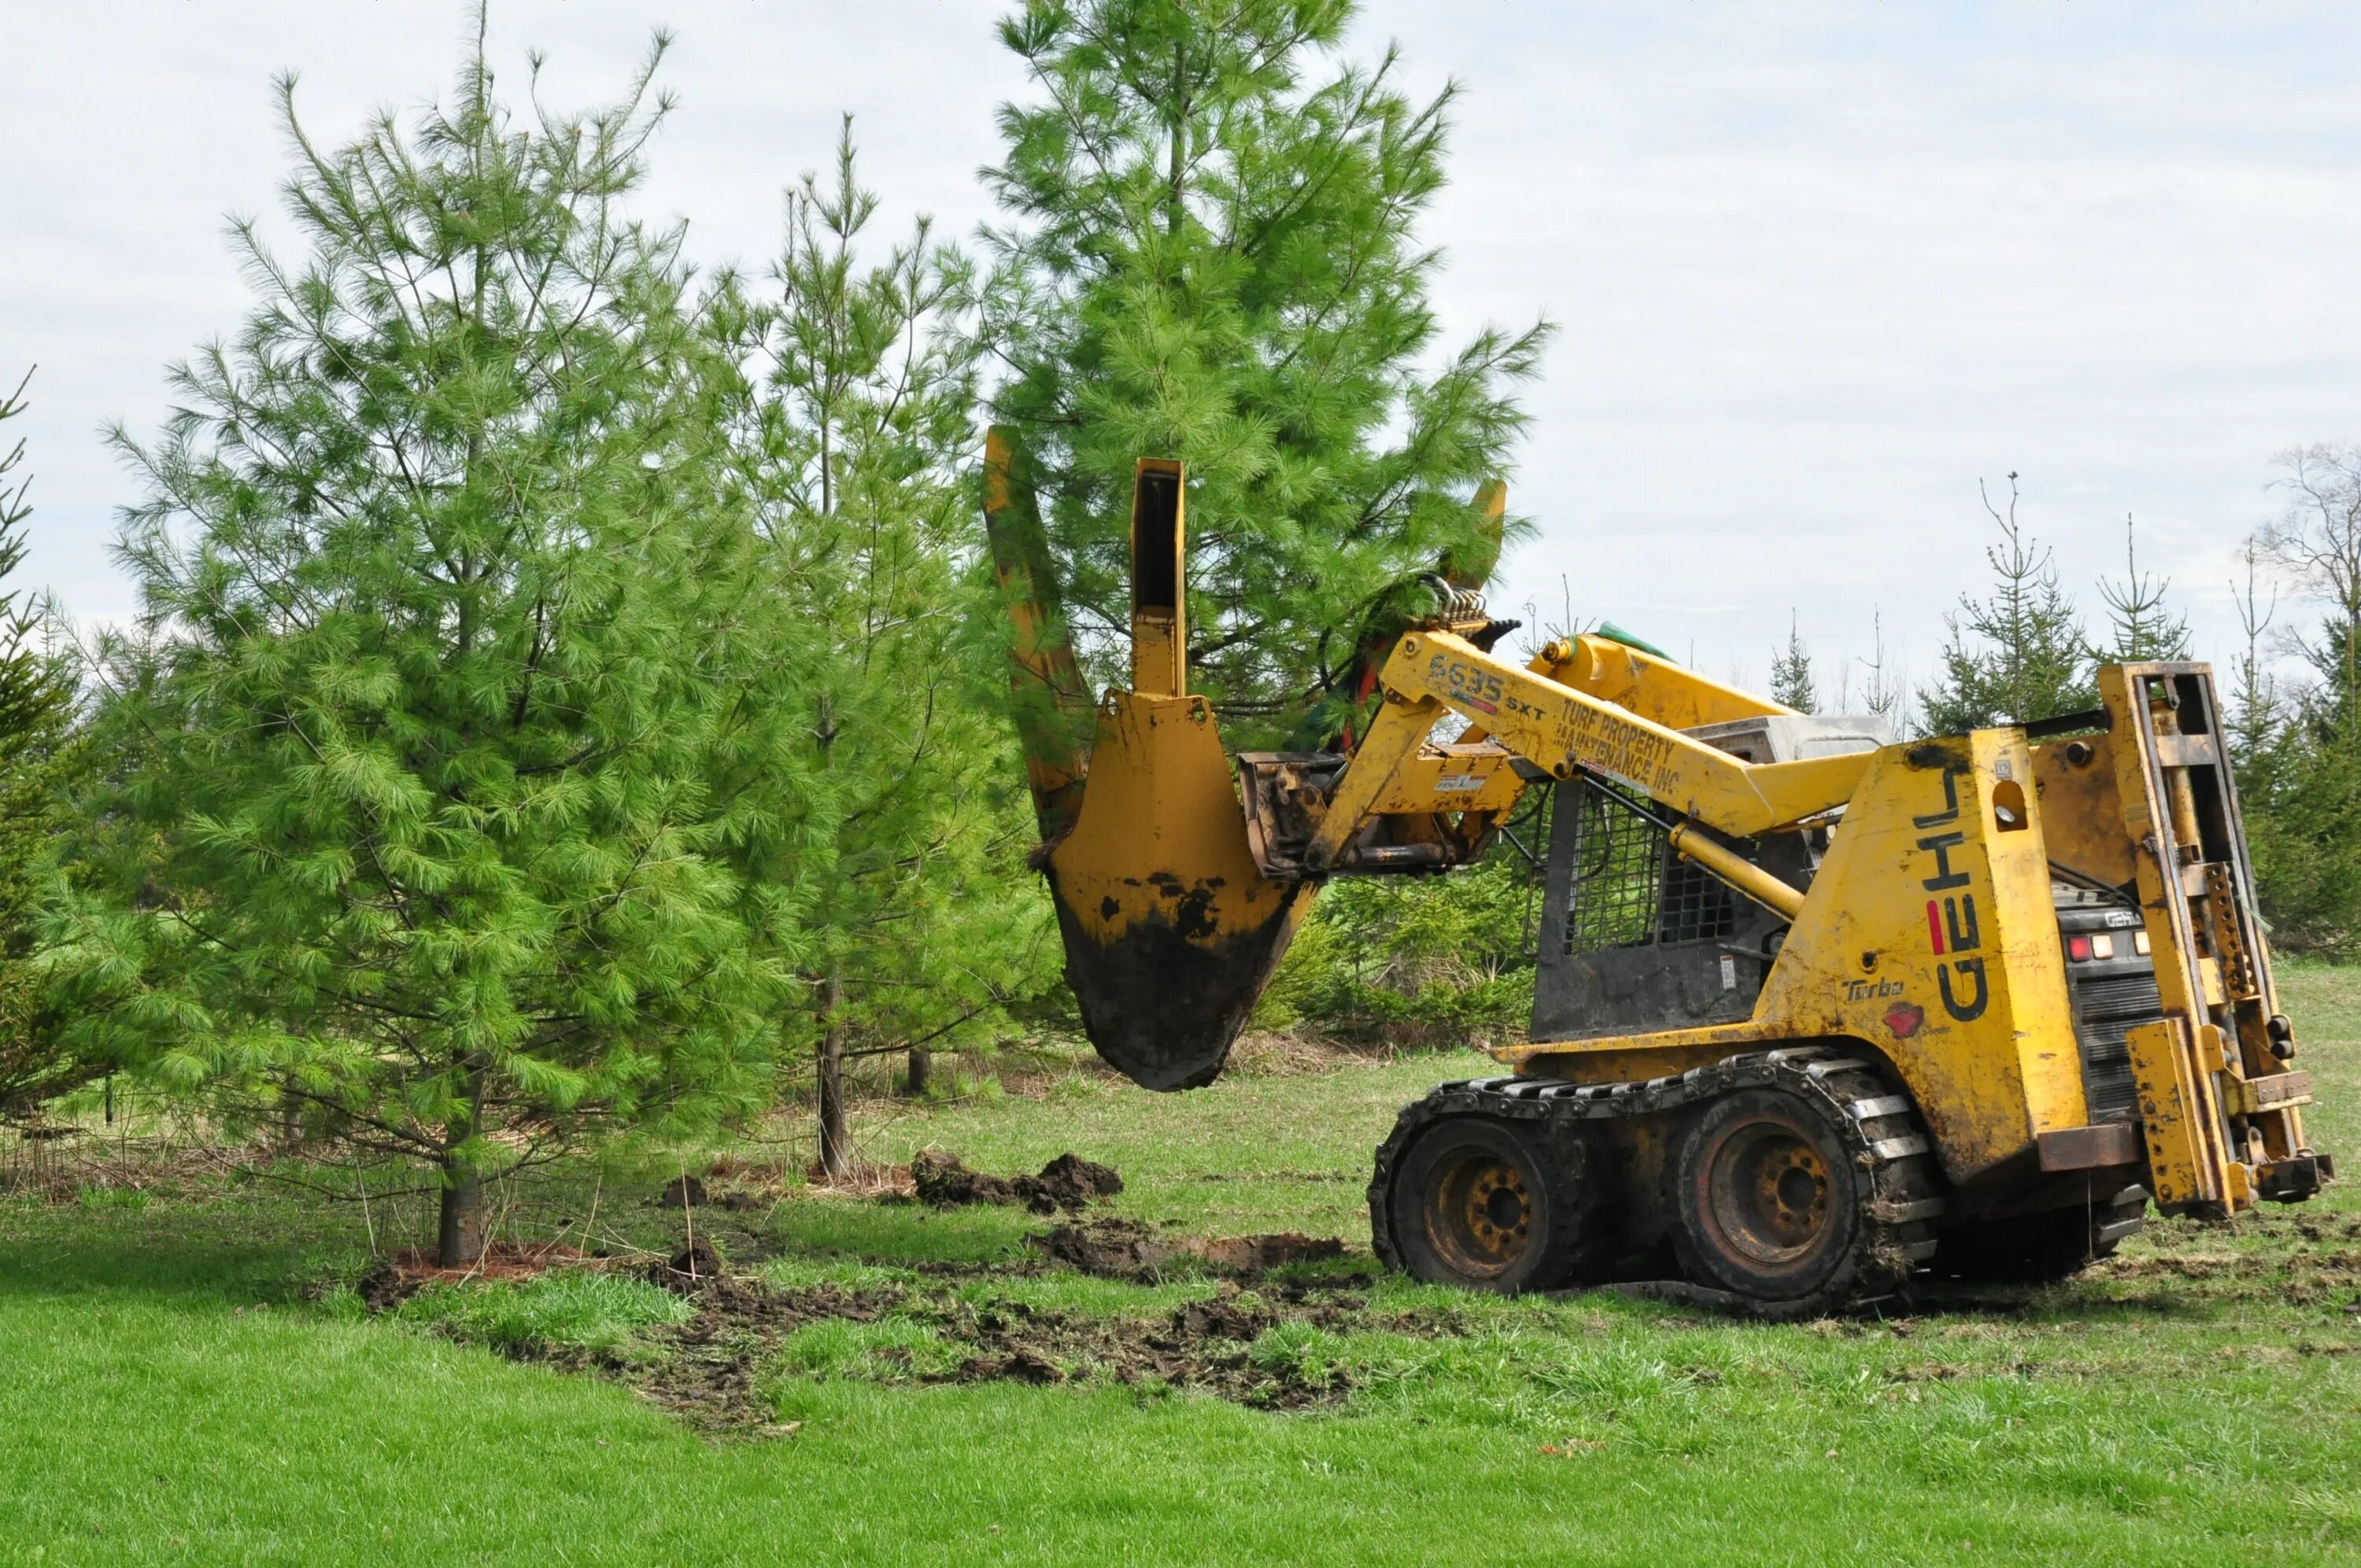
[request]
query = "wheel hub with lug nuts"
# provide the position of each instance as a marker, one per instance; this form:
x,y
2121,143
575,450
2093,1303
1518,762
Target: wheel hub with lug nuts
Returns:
x,y
1482,1211
1771,1191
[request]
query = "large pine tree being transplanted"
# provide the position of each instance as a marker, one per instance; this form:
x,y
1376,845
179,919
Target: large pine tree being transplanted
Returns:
x,y
434,671
1212,256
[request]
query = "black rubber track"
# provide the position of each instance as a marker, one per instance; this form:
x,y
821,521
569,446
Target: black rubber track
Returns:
x,y
1898,1202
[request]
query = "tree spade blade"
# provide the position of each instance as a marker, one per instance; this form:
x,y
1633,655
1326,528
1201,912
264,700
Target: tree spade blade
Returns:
x,y
1170,929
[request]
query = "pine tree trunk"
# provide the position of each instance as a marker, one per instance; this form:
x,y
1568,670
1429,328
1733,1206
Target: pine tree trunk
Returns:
x,y
290,1122
922,1071
459,1240
459,1237
835,1143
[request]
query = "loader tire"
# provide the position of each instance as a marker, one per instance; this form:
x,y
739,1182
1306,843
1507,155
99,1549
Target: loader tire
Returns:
x,y
2039,1249
1483,1203
1807,1193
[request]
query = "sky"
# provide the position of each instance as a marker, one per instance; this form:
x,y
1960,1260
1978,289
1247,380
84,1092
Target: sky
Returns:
x,y
1818,270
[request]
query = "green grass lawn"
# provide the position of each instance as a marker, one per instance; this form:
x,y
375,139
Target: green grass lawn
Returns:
x,y
170,1391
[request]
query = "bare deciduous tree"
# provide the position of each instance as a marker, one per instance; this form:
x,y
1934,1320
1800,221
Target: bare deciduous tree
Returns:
x,y
2317,544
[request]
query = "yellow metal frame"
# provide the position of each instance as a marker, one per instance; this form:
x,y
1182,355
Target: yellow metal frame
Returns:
x,y
1159,555
2215,1099
1644,684
1928,936
1563,728
1454,778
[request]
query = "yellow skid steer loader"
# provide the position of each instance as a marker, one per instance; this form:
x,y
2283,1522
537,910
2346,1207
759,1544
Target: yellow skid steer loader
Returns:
x,y
1816,1008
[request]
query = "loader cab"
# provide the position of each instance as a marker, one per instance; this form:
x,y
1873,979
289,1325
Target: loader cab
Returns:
x,y
1634,937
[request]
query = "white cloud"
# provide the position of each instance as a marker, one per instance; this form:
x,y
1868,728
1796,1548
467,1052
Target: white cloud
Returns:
x,y
1818,268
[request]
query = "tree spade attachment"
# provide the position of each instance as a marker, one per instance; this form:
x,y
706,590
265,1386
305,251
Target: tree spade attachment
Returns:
x,y
1170,929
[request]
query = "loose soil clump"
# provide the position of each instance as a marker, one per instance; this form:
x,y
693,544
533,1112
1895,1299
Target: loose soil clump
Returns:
x,y
1124,1249
382,1289
1114,1249
1209,1345
687,1270
1067,1183
707,1377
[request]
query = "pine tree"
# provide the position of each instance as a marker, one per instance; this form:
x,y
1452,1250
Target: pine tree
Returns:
x,y
2301,799
37,700
2143,626
2254,710
2018,654
1214,257
906,831
434,669
1791,672
1884,689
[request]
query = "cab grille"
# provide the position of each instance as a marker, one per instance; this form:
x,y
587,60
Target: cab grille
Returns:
x,y
2111,996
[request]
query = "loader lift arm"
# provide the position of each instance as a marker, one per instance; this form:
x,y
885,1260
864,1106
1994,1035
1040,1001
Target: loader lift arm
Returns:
x,y
1528,713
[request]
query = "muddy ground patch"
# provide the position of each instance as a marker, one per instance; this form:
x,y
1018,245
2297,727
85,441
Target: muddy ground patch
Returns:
x,y
710,1369
1261,1339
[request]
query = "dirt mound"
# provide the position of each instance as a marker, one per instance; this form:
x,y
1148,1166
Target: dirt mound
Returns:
x,y
1253,1255
945,1181
1124,1249
1119,1249
1219,1319
1069,1182
709,1377
1017,1366
734,1305
1208,1345
693,1268
383,1288
682,1191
